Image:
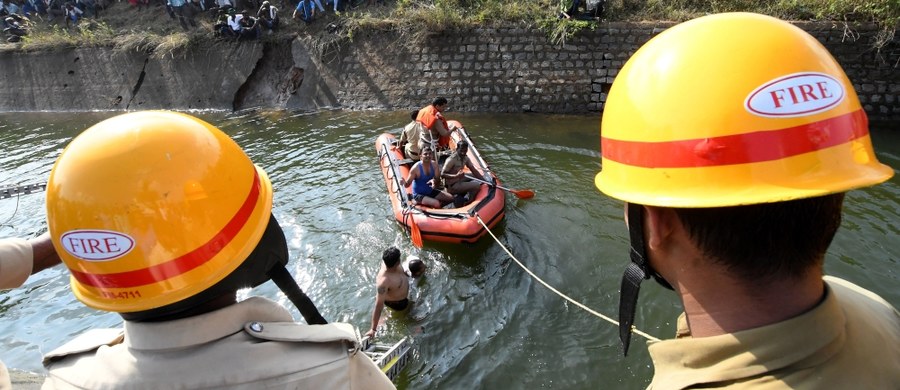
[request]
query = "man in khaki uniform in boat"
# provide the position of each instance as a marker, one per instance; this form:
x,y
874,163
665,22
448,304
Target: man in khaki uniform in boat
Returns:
x,y
161,217
20,258
410,138
733,192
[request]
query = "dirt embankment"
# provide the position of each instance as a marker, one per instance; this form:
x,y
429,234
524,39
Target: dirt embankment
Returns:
x,y
224,75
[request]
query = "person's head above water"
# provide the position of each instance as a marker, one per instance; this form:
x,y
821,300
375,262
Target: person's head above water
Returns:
x,y
416,266
391,257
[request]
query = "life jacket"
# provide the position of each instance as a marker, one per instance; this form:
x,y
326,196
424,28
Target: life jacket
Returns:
x,y
429,116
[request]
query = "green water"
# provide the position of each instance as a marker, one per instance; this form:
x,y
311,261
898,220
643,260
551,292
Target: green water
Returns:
x,y
480,320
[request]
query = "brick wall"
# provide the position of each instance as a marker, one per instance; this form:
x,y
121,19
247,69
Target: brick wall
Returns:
x,y
519,70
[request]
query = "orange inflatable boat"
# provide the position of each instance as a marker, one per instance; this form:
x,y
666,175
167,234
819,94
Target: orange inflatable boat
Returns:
x,y
452,225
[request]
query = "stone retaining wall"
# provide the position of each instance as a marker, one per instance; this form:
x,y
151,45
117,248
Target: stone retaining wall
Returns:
x,y
509,69
521,70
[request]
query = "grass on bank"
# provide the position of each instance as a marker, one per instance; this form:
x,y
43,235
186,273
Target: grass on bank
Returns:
x,y
152,30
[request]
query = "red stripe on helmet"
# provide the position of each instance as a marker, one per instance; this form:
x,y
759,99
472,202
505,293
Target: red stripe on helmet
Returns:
x,y
746,148
181,264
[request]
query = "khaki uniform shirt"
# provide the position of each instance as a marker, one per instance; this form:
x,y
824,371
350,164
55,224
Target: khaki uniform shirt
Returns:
x,y
411,134
253,344
849,341
16,261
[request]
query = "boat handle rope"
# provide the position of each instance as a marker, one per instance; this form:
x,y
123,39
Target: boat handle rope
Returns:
x,y
557,292
407,214
390,164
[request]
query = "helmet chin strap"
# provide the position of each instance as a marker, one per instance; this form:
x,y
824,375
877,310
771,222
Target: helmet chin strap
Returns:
x,y
277,255
636,272
288,285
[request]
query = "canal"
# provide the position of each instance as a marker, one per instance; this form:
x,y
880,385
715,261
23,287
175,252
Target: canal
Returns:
x,y
480,321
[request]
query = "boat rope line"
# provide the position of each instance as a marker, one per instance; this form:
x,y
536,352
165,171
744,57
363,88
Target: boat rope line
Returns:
x,y
557,292
407,215
6,223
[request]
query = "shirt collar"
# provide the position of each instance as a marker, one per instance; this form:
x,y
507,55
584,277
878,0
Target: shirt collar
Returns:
x,y
203,328
686,361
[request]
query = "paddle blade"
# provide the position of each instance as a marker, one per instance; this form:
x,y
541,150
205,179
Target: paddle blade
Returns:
x,y
415,233
523,194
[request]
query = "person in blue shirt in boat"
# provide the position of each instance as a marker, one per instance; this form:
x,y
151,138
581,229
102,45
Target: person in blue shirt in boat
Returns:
x,y
392,284
422,176
455,176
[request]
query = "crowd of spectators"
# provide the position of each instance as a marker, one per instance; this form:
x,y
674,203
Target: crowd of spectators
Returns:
x,y
233,19
17,15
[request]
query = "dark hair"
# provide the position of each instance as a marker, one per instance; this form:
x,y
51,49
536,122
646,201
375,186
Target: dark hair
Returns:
x,y
462,144
414,114
391,257
416,267
766,241
439,101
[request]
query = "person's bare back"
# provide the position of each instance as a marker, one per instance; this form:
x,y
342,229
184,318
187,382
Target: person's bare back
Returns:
x,y
392,284
391,287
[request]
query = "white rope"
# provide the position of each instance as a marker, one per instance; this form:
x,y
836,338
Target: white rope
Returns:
x,y
564,296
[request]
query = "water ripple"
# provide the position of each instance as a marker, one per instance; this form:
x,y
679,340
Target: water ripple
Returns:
x,y
479,321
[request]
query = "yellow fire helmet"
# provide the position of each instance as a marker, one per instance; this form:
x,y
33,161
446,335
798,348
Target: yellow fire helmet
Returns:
x,y
150,208
733,109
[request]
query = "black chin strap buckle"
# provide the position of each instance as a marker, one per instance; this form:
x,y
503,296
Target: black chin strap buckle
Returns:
x,y
628,295
636,272
288,285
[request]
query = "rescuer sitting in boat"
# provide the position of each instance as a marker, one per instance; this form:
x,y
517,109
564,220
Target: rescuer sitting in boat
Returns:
x,y
410,136
455,176
432,119
392,284
422,175
162,218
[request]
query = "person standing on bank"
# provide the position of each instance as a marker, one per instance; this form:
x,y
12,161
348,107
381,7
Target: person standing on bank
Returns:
x,y
733,189
19,259
188,223
432,118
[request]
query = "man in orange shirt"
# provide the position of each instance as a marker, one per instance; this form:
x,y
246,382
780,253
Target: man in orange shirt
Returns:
x,y
430,116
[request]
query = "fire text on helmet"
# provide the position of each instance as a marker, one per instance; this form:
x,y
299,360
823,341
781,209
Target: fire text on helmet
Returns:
x,y
799,94
96,245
